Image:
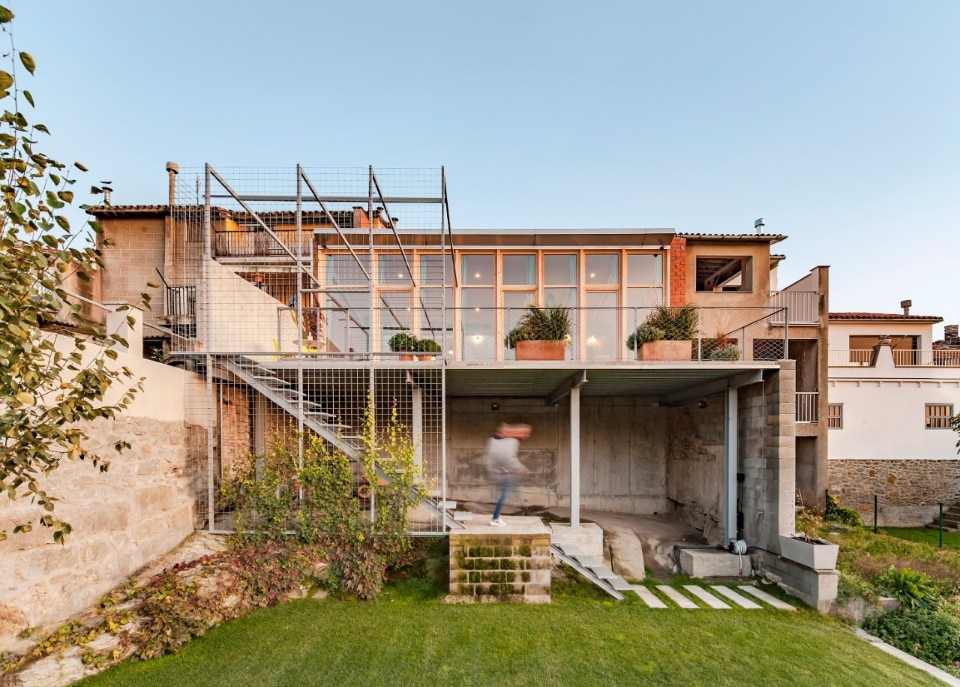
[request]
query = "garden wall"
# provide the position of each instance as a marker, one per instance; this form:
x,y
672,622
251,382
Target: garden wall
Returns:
x,y
122,519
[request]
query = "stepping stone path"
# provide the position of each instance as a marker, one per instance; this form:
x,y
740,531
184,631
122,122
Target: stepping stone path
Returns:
x,y
711,596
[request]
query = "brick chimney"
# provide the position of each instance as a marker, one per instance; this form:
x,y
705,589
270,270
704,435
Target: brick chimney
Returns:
x,y
172,170
906,306
950,335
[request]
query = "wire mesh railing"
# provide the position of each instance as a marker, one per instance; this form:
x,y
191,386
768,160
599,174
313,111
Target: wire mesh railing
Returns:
x,y
922,521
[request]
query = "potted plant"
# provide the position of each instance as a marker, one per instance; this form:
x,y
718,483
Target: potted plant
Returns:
x,y
427,349
719,347
806,547
666,334
541,334
403,343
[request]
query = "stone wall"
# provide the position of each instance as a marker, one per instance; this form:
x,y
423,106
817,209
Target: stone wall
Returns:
x,y
122,519
897,482
508,566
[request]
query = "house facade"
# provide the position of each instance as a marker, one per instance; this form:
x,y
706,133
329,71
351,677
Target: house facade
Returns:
x,y
893,390
285,291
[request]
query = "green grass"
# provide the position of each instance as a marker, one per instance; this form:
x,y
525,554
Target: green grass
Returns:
x,y
412,638
924,535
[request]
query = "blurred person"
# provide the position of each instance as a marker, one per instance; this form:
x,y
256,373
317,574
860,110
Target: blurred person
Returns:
x,y
504,466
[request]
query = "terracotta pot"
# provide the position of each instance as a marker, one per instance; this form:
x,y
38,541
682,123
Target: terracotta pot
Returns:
x,y
406,357
427,357
541,350
665,350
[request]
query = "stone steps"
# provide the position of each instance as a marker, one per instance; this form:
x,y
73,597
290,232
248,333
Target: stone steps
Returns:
x,y
708,597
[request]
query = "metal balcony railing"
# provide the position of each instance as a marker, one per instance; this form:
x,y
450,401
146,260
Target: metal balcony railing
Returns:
x,y
853,357
863,357
807,406
239,244
710,335
801,306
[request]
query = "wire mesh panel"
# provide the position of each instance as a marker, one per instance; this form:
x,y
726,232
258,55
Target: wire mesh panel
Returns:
x,y
285,288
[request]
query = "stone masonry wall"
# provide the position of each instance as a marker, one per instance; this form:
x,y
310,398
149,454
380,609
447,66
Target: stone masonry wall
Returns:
x,y
500,567
897,482
122,519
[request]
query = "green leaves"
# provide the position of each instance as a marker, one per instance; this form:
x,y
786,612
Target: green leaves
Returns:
x,y
5,15
6,80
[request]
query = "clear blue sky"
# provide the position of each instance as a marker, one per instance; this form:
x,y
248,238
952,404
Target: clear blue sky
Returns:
x,y
838,122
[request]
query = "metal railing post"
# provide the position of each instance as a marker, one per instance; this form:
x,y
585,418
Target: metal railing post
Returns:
x,y
875,511
941,525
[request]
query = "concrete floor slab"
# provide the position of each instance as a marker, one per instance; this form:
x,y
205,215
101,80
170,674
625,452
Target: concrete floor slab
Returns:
x,y
766,598
647,597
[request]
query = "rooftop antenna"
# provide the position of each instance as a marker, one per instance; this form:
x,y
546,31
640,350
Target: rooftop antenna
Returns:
x,y
758,225
105,186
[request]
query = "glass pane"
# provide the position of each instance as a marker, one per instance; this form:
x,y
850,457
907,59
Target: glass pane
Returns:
x,y
478,324
519,270
515,303
560,270
347,322
567,298
645,269
394,315
603,339
393,270
603,268
432,269
343,269
644,298
478,270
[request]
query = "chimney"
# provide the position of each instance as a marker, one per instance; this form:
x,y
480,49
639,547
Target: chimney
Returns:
x,y
173,169
105,186
906,306
951,336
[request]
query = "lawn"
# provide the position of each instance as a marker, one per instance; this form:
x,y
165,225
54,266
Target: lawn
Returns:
x,y
924,535
407,639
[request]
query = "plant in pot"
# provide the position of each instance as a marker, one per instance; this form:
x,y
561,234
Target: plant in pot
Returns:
x,y
541,333
806,547
403,343
719,347
666,334
427,349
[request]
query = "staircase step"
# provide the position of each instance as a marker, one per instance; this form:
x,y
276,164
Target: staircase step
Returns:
x,y
648,597
449,505
675,596
590,561
462,515
766,598
705,596
620,584
571,550
741,601
602,571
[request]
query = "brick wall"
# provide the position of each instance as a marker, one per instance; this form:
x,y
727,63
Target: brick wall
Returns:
x,y
678,271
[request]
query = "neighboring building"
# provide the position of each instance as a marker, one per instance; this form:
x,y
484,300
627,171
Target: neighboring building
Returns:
x,y
892,393
286,294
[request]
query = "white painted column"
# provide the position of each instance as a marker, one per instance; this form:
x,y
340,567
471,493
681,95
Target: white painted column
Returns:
x,y
730,466
575,457
418,429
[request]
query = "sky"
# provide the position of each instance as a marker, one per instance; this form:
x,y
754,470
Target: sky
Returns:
x,y
837,122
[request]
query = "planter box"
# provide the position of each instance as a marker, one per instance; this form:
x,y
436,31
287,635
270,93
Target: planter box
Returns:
x,y
817,554
666,350
541,350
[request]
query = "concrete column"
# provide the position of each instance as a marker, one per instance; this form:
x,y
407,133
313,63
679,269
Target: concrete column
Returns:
x,y
730,466
575,457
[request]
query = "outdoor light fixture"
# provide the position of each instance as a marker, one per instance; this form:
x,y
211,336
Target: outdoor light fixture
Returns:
x,y
702,403
494,406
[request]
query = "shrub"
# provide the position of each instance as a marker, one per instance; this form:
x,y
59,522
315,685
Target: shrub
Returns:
x,y
927,635
913,589
428,346
541,324
667,323
842,514
402,341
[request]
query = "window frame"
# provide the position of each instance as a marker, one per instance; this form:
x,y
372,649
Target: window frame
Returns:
x,y
935,420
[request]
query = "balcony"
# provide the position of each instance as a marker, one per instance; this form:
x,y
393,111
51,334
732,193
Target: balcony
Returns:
x,y
259,244
801,307
863,357
722,336
807,407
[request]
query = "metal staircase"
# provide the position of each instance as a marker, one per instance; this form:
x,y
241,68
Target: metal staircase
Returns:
x,y
291,400
592,568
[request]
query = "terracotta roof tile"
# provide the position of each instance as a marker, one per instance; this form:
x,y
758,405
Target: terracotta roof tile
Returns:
x,y
886,317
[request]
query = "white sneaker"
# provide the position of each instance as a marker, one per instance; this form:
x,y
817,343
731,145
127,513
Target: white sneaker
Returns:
x,y
498,522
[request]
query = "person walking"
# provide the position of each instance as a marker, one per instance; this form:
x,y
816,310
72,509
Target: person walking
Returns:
x,y
503,464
